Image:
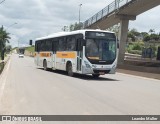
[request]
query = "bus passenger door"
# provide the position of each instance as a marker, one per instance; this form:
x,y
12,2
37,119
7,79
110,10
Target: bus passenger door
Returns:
x,y
36,58
79,54
36,55
54,49
54,60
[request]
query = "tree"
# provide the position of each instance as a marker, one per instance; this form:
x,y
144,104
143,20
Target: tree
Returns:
x,y
115,29
76,26
154,37
135,32
73,27
147,38
132,36
144,34
65,28
8,48
151,31
4,38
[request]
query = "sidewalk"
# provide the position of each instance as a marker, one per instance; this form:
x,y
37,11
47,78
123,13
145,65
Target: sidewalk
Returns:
x,y
144,67
141,74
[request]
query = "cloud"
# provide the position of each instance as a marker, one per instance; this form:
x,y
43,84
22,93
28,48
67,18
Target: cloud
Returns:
x,y
148,20
37,18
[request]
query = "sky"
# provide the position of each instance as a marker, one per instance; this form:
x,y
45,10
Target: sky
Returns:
x,y
38,18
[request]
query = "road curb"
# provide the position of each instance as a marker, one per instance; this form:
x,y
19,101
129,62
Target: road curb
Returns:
x,y
4,62
155,70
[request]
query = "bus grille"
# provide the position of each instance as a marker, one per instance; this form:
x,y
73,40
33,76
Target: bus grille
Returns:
x,y
100,71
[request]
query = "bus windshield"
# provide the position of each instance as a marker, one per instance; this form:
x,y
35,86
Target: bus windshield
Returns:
x,y
101,50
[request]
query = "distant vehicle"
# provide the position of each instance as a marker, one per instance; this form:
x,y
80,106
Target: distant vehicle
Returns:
x,y
21,55
83,51
21,50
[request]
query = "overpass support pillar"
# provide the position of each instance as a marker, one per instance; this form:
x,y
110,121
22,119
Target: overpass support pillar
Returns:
x,y
123,39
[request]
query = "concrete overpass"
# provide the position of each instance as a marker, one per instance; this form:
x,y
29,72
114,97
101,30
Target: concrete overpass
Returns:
x,y
120,11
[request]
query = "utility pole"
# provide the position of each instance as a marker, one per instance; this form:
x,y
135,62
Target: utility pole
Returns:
x,y
80,5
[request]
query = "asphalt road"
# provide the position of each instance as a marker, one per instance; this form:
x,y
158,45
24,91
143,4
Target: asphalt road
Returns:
x,y
26,89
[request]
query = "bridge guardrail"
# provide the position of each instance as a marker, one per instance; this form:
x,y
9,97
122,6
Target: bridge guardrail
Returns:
x,y
106,11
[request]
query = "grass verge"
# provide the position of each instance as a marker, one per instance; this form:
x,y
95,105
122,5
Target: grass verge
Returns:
x,y
30,49
2,64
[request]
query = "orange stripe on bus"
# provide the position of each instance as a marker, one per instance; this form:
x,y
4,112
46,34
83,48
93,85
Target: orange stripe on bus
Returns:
x,y
66,55
45,54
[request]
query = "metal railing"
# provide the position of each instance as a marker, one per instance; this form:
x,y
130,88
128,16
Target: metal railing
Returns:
x,y
106,11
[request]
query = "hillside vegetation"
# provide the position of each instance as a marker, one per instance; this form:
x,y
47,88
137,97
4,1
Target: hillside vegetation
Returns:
x,y
30,49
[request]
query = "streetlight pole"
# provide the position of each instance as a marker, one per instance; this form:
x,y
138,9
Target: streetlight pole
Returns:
x,y
11,25
80,13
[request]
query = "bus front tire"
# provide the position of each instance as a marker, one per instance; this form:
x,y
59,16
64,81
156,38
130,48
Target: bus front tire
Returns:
x,y
69,70
95,75
45,65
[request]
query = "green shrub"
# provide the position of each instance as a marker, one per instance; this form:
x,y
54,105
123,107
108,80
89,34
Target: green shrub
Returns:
x,y
130,43
135,52
30,49
139,52
135,46
138,46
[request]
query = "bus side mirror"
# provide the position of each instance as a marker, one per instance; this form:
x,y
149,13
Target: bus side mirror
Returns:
x,y
117,44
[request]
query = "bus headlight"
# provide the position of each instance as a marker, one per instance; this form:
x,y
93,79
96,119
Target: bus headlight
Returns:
x,y
87,64
114,66
94,66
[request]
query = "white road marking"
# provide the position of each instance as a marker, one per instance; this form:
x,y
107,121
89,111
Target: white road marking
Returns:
x,y
3,80
140,77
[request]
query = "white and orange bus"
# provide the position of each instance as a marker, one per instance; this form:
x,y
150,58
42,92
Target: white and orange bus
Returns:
x,y
83,51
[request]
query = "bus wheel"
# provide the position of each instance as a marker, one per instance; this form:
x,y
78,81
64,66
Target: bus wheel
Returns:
x,y
95,75
69,70
45,65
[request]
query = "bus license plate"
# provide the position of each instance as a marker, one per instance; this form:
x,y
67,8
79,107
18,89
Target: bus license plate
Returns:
x,y
101,73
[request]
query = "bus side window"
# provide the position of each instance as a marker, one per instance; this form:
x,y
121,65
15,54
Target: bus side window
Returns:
x,y
55,44
71,43
43,45
49,45
62,44
38,46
